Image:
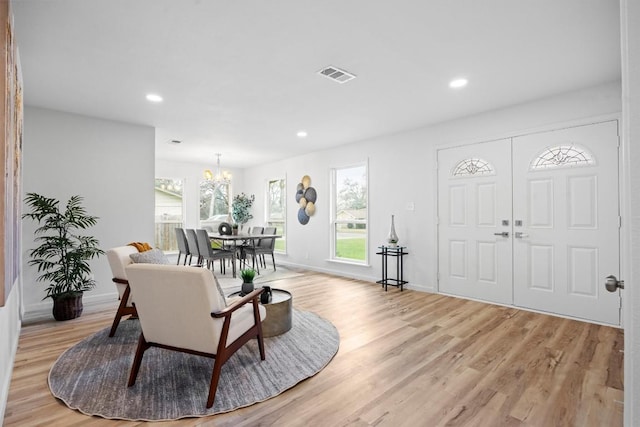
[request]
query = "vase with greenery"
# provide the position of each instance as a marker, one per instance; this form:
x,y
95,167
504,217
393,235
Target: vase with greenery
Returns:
x,y
247,276
62,255
240,208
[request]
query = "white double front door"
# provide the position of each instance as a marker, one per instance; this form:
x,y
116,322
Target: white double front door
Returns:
x,y
533,221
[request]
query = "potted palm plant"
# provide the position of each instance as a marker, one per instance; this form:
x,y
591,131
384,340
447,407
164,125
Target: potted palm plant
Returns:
x,y
62,257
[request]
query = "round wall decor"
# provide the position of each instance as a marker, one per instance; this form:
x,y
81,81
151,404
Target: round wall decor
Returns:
x,y
305,198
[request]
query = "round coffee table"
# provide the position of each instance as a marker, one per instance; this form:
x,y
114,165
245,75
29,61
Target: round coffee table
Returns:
x,y
279,313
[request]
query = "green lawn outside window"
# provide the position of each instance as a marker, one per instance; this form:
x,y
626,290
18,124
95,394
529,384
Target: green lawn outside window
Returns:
x,y
353,248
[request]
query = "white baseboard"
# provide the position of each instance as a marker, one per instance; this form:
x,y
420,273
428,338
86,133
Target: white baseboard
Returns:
x,y
326,271
413,286
42,310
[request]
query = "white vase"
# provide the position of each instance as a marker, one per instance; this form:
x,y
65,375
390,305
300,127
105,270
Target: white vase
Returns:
x,y
392,239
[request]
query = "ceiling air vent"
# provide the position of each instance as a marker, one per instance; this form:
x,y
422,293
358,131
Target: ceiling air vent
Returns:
x,y
336,74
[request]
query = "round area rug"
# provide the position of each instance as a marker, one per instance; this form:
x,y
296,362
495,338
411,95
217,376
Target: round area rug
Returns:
x,y
92,375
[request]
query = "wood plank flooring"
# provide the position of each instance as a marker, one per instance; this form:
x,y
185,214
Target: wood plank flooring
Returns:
x,y
405,359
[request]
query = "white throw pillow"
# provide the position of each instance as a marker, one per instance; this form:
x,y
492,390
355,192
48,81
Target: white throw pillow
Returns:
x,y
154,256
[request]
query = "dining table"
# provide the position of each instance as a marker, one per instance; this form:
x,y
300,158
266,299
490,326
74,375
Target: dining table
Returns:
x,y
236,242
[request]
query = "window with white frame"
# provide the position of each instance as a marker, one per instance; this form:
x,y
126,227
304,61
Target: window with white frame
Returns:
x,y
214,204
276,211
350,214
168,212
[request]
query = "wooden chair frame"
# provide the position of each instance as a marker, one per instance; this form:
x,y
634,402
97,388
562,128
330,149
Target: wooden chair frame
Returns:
x,y
223,353
123,310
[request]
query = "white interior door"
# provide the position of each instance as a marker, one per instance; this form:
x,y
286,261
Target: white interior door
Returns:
x,y
566,197
474,187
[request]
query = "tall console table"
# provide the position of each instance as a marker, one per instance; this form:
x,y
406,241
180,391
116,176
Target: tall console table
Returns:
x,y
398,252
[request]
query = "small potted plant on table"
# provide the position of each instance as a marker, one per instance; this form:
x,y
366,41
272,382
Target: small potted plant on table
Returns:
x,y
247,275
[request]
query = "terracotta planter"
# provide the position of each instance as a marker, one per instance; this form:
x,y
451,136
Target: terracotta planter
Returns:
x,y
67,307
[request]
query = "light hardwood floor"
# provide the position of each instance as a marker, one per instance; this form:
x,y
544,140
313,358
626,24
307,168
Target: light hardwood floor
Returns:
x,y
405,358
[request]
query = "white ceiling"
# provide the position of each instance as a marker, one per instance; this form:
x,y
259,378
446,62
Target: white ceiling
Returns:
x,y
240,77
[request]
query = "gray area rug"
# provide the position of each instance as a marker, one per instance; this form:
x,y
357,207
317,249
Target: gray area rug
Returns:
x,y
92,375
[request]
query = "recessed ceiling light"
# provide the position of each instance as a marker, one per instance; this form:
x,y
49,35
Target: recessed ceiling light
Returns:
x,y
152,97
458,83
301,134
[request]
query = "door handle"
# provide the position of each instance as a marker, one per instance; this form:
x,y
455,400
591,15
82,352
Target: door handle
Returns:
x,y
503,234
612,283
520,235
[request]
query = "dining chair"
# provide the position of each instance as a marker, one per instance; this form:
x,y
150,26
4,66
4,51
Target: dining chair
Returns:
x,y
192,245
181,309
210,255
249,244
262,247
183,247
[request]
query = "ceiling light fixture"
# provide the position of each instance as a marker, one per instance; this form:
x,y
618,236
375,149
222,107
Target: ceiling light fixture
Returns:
x,y
220,177
458,83
301,134
152,97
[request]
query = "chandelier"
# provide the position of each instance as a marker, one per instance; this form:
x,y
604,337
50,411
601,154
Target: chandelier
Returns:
x,y
220,177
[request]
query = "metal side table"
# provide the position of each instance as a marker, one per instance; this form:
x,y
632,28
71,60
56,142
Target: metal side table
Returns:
x,y
398,252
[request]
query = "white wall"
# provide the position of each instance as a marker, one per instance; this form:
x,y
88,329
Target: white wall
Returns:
x,y
9,334
110,164
630,28
192,174
401,170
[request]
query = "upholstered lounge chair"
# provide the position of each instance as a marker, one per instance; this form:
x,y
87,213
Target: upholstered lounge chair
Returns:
x,y
118,260
181,308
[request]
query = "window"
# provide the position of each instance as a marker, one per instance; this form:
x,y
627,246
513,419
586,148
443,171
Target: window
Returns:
x,y
470,167
562,156
350,214
214,205
276,211
168,214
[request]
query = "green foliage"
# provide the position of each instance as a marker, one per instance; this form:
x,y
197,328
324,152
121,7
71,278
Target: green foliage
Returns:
x,y
351,249
352,195
247,275
62,255
240,208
